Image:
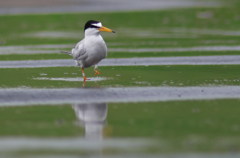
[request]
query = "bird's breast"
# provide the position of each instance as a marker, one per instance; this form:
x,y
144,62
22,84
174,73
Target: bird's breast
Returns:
x,y
97,46
96,49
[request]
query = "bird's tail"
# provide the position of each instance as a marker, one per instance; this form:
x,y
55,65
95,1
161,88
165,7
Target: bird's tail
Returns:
x,y
66,52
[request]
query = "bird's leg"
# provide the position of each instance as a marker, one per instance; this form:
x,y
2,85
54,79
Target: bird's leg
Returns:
x,y
96,72
95,69
84,78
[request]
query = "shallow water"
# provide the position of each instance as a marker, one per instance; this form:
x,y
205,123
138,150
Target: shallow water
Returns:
x,y
199,60
203,48
107,130
90,79
33,49
44,115
14,144
47,49
22,97
96,148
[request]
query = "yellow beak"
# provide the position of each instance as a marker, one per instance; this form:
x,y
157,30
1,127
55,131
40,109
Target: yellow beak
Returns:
x,y
106,29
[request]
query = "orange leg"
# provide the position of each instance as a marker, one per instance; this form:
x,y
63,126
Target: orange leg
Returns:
x,y
96,72
84,78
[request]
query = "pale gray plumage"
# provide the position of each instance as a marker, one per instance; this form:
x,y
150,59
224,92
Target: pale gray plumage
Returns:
x,y
89,51
92,49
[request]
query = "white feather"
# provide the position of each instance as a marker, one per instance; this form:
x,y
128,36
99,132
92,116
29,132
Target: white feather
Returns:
x,y
91,50
98,24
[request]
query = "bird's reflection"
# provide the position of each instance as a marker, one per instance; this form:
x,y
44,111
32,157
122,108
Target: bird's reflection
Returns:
x,y
96,84
93,117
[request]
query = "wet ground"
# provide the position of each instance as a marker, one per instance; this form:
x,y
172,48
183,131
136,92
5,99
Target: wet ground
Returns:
x,y
169,87
201,60
137,94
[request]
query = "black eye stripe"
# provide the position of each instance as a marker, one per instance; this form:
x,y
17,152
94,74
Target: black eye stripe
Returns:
x,y
89,24
93,26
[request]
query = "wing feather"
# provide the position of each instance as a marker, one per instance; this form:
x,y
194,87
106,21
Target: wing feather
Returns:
x,y
79,51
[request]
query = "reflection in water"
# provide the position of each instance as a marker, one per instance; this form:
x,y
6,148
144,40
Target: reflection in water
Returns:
x,y
93,117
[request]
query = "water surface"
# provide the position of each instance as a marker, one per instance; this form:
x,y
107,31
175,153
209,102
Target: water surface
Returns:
x,y
199,60
18,96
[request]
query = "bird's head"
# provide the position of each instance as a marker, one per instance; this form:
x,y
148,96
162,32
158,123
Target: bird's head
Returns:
x,y
94,27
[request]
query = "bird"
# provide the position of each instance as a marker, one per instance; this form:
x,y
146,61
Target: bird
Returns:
x,y
92,48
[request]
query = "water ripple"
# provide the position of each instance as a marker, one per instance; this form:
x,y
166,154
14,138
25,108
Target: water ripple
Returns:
x,y
24,97
195,60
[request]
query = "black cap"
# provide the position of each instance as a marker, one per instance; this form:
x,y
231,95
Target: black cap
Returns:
x,y
89,24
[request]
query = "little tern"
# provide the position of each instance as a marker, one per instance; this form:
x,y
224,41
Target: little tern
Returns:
x,y
92,49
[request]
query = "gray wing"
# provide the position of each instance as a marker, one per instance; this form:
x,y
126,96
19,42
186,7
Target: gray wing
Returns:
x,y
79,51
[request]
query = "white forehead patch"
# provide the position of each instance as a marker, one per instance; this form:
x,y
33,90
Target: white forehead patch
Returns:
x,y
98,24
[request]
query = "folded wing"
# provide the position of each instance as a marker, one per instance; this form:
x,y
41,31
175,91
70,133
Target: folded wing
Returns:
x,y
79,51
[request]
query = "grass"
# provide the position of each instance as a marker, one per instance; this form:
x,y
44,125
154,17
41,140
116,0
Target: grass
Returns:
x,y
192,126
176,75
185,18
171,27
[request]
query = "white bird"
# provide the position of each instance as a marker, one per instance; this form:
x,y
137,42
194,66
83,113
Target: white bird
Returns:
x,y
92,49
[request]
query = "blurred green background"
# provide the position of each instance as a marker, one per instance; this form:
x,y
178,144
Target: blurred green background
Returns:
x,y
184,126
